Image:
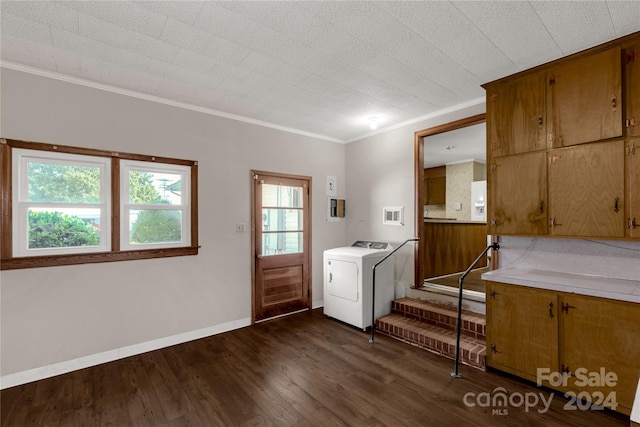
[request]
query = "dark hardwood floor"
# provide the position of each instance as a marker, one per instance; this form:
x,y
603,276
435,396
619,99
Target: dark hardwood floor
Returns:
x,y
304,370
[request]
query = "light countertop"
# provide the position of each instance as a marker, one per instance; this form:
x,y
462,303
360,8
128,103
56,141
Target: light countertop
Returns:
x,y
451,221
584,284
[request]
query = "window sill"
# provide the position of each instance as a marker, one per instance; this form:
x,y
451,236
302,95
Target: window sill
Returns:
x,y
56,260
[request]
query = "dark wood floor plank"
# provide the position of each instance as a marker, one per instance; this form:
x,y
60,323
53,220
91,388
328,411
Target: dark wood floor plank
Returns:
x,y
301,370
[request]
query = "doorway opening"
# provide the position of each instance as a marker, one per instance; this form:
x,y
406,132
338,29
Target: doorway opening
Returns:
x,y
450,163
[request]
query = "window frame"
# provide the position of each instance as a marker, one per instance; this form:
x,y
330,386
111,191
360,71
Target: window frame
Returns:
x,y
21,204
116,252
126,206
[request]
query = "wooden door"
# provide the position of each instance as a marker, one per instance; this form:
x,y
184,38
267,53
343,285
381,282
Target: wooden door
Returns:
x,y
584,101
281,229
609,330
632,158
518,194
516,120
631,59
522,329
586,190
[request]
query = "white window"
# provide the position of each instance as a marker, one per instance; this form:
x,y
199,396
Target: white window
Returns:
x,y
61,203
155,205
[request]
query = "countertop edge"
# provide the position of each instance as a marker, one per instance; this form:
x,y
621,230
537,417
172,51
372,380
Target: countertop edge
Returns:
x,y
627,290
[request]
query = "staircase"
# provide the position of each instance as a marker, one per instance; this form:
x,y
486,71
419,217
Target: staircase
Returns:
x,y
433,328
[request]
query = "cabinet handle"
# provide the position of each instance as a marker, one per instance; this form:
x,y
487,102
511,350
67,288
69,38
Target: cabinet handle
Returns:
x,y
330,277
493,349
551,310
541,206
553,158
493,294
565,370
616,209
631,223
539,122
553,223
613,104
566,307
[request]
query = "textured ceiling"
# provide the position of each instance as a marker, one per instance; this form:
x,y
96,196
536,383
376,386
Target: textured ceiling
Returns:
x,y
316,67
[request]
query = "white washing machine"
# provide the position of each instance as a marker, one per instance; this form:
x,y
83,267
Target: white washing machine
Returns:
x,y
348,282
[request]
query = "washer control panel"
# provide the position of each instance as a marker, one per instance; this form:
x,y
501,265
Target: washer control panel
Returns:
x,y
370,245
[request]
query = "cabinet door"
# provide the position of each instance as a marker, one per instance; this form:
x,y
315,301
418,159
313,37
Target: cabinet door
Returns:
x,y
632,158
586,190
437,191
522,329
598,334
518,194
584,99
515,116
631,60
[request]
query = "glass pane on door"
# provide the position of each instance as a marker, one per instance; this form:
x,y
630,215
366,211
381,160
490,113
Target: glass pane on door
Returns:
x,y
282,219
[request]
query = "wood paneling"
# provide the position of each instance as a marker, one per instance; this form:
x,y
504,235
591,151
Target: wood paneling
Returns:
x,y
302,370
452,247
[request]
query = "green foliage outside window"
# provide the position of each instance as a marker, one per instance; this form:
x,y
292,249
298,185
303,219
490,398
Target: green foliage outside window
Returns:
x,y
57,230
75,184
157,226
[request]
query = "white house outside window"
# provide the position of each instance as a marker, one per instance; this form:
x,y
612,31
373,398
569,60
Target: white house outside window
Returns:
x,y
154,205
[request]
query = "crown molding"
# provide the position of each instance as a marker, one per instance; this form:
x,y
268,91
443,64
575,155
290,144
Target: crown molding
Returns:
x,y
160,100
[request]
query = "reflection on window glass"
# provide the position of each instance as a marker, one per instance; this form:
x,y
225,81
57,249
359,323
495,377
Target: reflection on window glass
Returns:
x,y
63,227
155,226
281,243
281,220
62,183
281,196
154,188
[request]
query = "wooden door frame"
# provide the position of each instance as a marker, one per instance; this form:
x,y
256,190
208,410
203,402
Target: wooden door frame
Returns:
x,y
418,150
255,172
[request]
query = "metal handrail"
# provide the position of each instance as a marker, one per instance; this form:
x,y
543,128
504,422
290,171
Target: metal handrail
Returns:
x,y
495,246
373,291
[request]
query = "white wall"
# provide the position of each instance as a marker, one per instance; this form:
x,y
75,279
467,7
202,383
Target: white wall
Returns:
x,y
59,314
380,172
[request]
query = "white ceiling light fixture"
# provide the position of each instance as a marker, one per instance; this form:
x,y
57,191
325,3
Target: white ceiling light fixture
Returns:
x,y
373,122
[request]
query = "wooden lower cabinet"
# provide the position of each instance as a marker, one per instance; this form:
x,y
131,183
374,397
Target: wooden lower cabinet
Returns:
x,y
595,342
522,329
601,336
632,220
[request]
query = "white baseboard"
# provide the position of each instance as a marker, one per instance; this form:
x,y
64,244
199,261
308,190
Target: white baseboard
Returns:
x,y
48,371
317,304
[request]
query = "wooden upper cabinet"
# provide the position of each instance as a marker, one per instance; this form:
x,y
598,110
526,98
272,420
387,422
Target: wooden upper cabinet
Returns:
x,y
632,158
586,190
631,61
584,102
516,116
435,185
518,194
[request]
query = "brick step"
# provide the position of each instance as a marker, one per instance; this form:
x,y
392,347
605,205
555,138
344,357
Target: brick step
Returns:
x,y
473,324
434,338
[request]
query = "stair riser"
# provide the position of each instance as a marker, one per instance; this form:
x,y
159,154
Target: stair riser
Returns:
x,y
475,357
469,328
